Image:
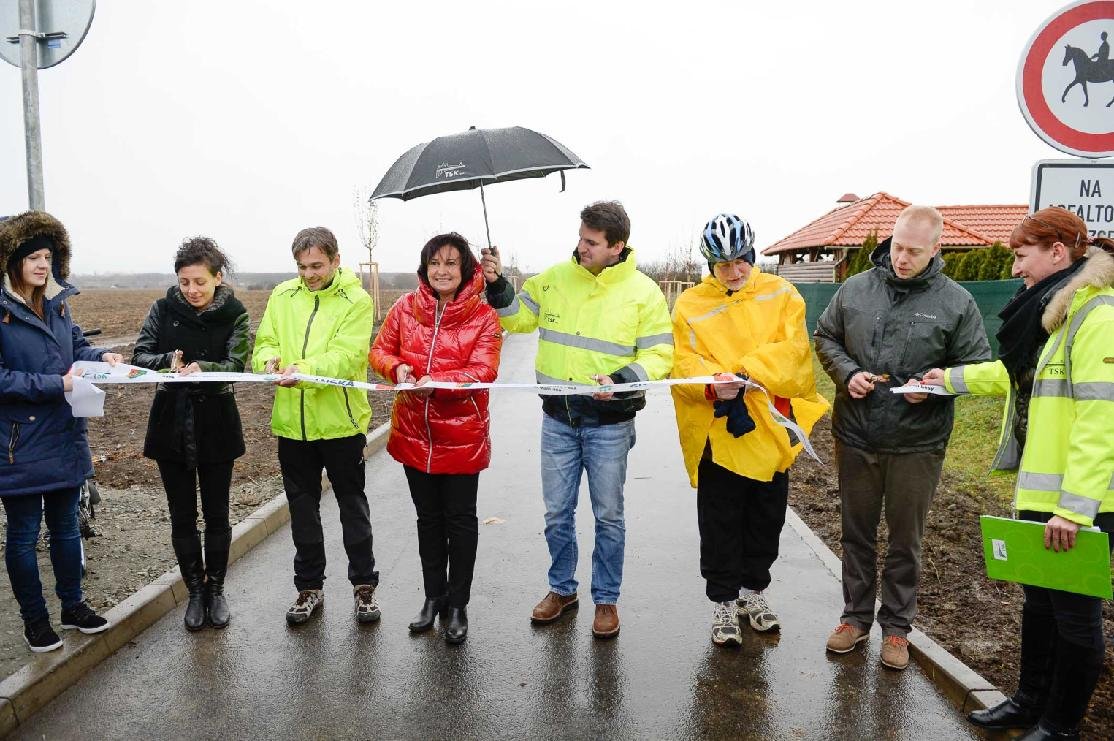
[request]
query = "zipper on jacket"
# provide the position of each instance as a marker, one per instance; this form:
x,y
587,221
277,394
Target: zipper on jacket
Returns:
x,y
12,442
348,407
438,312
305,345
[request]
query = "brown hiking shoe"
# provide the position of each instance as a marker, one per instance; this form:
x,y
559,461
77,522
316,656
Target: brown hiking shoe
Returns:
x,y
845,637
552,607
895,652
606,624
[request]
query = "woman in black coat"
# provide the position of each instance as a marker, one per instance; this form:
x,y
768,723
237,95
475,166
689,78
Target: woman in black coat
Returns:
x,y
194,430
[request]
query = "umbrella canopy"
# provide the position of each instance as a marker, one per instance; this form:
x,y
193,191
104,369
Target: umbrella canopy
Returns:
x,y
474,158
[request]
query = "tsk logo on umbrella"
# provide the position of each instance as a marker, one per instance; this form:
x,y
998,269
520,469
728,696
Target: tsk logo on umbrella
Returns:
x,y
445,170
1065,80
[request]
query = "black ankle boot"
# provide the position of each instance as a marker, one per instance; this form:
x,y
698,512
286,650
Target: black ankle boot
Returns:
x,y
456,629
216,604
429,611
188,551
216,565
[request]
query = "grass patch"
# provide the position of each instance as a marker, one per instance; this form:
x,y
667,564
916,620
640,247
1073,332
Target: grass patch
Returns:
x,y
973,444
978,421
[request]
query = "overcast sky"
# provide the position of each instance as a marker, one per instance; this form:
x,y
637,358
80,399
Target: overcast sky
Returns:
x,y
247,120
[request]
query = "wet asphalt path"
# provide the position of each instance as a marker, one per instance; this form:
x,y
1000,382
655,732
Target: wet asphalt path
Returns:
x,y
661,678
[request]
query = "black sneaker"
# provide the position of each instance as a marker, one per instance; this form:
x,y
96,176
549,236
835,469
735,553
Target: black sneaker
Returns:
x,y
41,637
84,619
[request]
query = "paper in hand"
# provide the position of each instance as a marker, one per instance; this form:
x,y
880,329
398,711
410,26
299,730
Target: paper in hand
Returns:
x,y
86,400
918,388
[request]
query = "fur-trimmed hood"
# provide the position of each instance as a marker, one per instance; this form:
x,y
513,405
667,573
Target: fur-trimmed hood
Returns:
x,y
1098,272
17,229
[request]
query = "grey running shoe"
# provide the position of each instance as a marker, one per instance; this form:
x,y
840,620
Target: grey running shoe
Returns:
x,y
365,606
755,608
303,608
725,624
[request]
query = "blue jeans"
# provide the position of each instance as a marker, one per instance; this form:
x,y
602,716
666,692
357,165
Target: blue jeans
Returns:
x,y
602,452
25,513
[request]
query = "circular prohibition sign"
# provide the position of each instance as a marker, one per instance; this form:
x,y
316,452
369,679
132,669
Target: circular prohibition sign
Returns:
x,y
1033,96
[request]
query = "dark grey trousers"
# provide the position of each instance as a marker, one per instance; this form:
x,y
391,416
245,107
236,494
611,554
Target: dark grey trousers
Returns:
x,y
901,485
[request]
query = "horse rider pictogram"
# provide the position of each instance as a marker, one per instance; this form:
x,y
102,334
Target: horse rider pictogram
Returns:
x,y
1096,67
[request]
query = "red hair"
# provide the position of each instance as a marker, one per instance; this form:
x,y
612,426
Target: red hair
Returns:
x,y
1053,224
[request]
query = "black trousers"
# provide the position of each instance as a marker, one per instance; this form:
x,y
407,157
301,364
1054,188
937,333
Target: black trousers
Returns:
x,y
342,459
182,484
740,523
1078,617
1062,645
448,532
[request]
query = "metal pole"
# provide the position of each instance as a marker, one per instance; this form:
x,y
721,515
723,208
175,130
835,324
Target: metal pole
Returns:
x,y
29,59
484,202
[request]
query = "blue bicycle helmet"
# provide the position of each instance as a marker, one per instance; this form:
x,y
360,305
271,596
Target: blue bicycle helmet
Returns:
x,y
727,237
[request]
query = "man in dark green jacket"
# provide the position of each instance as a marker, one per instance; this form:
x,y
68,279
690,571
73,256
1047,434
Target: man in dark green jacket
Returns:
x,y
883,329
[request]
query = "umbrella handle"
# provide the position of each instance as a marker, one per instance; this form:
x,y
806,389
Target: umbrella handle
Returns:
x,y
487,228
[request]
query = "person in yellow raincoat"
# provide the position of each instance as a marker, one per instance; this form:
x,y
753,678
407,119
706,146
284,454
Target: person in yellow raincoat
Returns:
x,y
739,320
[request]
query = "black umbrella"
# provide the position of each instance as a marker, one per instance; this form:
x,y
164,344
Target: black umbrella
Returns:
x,y
472,158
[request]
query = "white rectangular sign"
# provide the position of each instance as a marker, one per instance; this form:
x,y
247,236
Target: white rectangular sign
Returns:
x,y
1084,188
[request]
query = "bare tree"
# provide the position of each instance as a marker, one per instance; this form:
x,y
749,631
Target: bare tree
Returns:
x,y
679,264
367,222
367,227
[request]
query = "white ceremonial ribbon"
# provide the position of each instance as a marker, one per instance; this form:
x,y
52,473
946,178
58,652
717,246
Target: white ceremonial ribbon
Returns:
x,y
100,372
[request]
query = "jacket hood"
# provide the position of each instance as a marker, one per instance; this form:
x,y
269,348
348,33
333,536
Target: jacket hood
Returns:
x,y
749,286
613,273
468,298
1098,272
17,229
224,308
881,259
343,279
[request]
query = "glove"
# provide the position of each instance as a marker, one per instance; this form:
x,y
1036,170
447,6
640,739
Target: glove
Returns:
x,y
739,422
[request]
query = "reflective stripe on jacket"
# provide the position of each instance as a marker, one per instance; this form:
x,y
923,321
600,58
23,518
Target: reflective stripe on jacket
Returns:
x,y
1067,466
326,333
615,324
760,330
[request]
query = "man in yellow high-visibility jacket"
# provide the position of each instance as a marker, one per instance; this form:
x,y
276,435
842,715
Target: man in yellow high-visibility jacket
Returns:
x,y
600,321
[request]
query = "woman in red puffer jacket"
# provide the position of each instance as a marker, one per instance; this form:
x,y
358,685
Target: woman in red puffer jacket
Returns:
x,y
442,331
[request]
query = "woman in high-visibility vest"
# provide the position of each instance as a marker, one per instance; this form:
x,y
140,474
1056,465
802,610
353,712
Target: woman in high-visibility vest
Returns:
x,y
1056,370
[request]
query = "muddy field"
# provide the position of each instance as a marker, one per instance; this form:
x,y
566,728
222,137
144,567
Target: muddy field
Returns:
x,y
132,545
974,618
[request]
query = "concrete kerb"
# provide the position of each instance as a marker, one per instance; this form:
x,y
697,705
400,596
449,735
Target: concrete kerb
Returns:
x,y
962,684
47,675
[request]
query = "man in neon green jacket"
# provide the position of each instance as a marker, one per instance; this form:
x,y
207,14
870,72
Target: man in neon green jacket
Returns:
x,y
599,320
320,324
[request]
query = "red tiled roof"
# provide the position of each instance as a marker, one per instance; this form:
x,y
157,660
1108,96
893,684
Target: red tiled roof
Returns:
x,y
993,222
849,226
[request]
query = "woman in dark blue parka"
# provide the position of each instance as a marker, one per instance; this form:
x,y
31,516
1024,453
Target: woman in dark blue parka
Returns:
x,y
44,454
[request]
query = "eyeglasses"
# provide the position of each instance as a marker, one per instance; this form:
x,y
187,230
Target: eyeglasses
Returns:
x,y
1059,234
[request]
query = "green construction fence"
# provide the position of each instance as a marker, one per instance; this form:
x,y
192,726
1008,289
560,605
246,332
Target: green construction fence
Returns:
x,y
990,295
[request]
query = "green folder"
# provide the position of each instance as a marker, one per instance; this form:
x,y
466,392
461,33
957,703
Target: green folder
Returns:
x,y
1014,551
